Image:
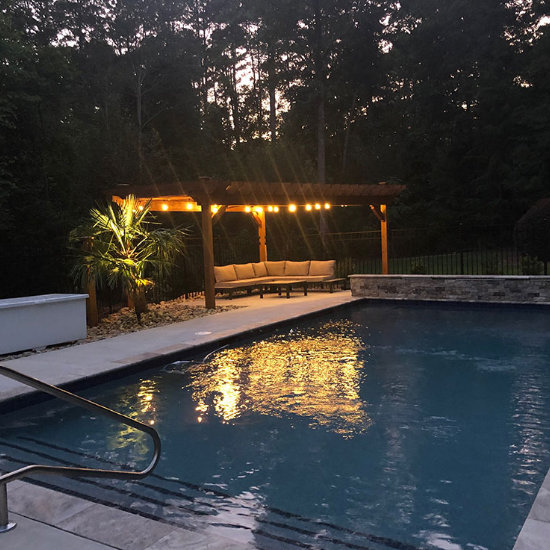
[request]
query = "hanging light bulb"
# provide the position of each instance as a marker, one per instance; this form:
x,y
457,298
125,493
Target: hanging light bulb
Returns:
x,y
292,208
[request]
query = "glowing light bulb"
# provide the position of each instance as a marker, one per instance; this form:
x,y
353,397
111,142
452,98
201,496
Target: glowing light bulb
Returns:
x,y
292,208
275,209
140,207
189,206
164,207
327,205
317,206
258,209
270,208
247,209
308,207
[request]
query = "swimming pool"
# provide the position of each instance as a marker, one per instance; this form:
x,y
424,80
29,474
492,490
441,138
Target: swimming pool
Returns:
x,y
378,426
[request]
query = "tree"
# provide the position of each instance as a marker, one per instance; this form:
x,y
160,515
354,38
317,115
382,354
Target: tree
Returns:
x,y
123,250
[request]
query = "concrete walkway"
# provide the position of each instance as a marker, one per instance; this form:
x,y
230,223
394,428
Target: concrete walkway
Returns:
x,y
51,520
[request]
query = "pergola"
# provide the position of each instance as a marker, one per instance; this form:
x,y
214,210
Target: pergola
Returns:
x,y
215,197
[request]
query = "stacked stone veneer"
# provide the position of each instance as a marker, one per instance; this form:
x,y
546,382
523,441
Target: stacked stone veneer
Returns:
x,y
459,288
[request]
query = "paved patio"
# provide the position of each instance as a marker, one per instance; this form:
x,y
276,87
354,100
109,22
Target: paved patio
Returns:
x,y
54,520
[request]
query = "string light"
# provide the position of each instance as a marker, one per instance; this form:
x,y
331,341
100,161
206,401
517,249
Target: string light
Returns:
x,y
164,207
247,209
308,207
214,208
270,208
258,209
292,208
140,207
275,209
317,206
327,205
189,206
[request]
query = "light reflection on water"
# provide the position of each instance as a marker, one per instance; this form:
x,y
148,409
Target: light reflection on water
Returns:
x,y
143,405
315,376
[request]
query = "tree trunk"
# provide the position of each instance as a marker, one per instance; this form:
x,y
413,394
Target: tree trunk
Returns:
x,y
272,98
137,300
345,152
321,123
272,113
139,115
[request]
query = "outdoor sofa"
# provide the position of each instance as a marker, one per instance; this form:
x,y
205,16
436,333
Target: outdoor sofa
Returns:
x,y
255,275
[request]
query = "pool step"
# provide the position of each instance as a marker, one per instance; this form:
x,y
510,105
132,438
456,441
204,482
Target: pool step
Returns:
x,y
193,506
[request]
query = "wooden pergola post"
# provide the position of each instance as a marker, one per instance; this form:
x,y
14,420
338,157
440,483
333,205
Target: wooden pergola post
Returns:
x,y
260,220
92,315
382,214
384,238
208,255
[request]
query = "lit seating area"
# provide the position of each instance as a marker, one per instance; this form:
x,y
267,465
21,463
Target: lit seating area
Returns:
x,y
271,273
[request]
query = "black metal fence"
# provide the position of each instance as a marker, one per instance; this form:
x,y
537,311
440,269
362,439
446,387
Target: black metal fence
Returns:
x,y
480,251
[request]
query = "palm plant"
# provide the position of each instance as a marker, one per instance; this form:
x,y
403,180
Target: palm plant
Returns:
x,y
123,249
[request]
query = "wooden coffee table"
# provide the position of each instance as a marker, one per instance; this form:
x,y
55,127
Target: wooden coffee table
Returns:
x,y
287,284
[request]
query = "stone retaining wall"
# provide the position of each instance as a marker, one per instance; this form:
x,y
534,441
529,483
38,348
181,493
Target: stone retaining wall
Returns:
x,y
457,288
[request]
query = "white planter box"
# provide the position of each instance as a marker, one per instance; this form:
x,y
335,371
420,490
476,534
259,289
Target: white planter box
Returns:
x,y
36,321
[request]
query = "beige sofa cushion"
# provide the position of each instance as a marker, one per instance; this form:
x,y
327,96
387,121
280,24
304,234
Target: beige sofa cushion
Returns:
x,y
260,269
276,269
322,268
225,273
296,268
244,271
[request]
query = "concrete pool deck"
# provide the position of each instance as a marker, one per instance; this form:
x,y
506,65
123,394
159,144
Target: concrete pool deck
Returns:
x,y
51,520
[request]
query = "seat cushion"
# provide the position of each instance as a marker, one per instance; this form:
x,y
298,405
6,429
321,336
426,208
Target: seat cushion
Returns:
x,y
323,268
296,268
244,271
224,273
275,268
260,269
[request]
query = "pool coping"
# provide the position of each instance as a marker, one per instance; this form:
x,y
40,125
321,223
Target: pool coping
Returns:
x,y
535,531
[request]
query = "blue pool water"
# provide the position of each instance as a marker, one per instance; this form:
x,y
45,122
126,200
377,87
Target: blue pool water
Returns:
x,y
378,427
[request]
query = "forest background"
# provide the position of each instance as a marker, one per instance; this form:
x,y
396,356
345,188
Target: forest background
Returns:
x,y
449,97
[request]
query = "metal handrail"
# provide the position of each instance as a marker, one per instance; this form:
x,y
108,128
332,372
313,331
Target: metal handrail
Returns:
x,y
5,525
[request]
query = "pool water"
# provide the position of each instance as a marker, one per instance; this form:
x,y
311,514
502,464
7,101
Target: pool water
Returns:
x,y
377,426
